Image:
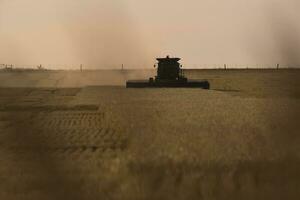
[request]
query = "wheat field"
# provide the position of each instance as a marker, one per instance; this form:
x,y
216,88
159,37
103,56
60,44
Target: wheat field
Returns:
x,y
83,135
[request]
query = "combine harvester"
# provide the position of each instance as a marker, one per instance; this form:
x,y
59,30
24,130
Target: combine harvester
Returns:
x,y
169,74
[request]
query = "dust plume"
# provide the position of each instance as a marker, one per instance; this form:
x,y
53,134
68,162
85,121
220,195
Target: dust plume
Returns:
x,y
107,34
97,34
286,34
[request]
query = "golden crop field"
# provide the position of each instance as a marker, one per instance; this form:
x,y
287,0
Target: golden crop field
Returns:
x,y
83,135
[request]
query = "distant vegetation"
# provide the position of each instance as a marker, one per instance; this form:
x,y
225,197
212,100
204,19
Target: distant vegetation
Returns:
x,y
40,67
10,67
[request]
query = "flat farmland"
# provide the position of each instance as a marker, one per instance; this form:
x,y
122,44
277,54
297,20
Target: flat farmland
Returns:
x,y
83,135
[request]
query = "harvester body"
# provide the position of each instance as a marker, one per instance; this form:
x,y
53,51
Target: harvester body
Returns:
x,y
169,74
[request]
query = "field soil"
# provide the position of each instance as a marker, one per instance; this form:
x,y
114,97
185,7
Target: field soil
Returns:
x,y
83,135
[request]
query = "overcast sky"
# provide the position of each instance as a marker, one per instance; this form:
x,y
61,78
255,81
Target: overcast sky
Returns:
x,y
106,33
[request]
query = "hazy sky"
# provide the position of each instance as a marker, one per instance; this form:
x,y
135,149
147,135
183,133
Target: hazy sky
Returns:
x,y
104,33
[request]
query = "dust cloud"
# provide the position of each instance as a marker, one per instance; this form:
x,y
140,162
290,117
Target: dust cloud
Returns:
x,y
107,34
65,34
286,33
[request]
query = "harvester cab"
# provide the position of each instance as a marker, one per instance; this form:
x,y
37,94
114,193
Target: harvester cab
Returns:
x,y
168,69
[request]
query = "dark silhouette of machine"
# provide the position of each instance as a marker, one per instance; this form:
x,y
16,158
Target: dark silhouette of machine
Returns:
x,y
169,74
